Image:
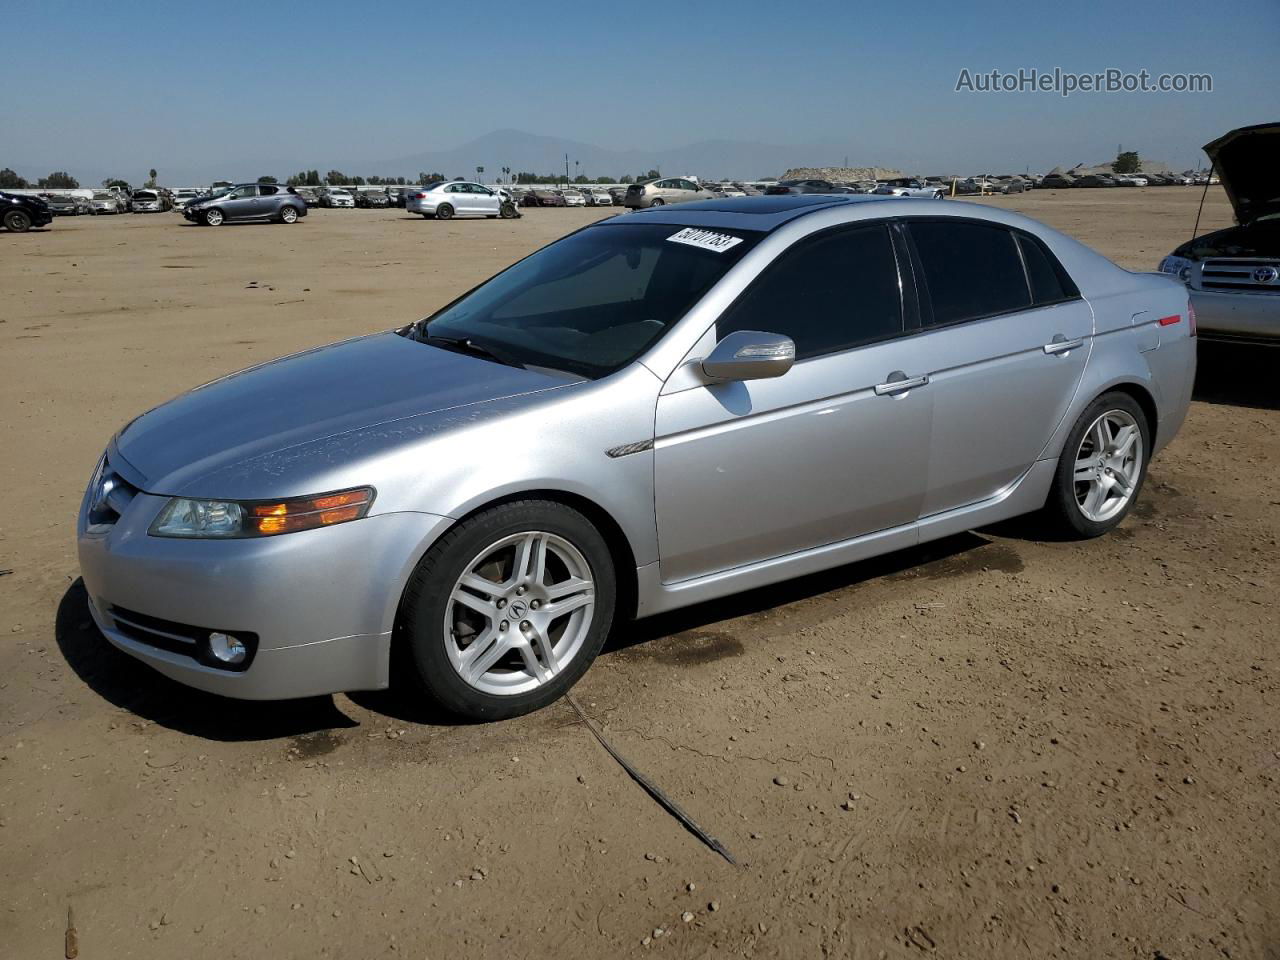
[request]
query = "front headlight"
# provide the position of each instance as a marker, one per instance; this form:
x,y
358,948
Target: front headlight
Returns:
x,y
238,519
1179,266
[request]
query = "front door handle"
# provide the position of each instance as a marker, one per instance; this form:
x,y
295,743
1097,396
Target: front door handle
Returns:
x,y
899,383
1060,344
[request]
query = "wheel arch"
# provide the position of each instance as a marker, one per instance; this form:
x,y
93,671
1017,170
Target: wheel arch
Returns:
x,y
1133,386
620,550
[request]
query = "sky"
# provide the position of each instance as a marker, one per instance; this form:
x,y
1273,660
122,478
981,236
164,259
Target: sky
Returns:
x,y
266,87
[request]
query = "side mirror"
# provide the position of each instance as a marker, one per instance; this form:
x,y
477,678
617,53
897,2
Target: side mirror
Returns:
x,y
750,355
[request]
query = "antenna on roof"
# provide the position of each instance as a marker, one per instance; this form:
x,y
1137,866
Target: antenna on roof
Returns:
x,y
1196,229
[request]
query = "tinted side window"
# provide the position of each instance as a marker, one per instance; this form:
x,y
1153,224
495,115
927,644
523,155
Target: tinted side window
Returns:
x,y
1046,275
970,269
267,190
827,293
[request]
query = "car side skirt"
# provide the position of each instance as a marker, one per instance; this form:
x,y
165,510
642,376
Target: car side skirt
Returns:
x,y
1025,495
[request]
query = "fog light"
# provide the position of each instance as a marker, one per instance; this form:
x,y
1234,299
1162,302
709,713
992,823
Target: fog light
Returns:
x,y
227,648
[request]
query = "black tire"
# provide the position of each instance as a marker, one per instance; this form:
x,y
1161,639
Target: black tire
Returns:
x,y
657,202
508,210
1062,511
444,212
428,216
213,217
288,213
17,221
425,602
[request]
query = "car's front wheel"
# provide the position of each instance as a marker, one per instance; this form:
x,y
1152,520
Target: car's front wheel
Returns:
x,y
508,210
506,612
17,221
213,218
1102,467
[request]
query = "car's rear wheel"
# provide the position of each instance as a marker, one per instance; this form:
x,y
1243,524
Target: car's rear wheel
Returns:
x,y
288,214
506,612
213,218
1102,467
17,221
444,212
657,202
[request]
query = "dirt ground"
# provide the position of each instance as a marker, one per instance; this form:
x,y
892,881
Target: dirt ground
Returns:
x,y
995,746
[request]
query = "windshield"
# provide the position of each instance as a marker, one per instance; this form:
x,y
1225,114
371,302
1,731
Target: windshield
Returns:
x,y
594,301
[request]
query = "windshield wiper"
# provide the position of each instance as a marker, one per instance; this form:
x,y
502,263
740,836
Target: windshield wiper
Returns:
x,y
469,346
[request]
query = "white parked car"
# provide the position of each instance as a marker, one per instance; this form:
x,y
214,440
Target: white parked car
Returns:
x,y
458,198
729,190
337,197
572,198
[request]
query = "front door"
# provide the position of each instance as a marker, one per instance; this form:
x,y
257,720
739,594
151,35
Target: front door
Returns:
x,y
831,450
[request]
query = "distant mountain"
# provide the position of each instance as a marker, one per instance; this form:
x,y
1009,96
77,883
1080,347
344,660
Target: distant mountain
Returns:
x,y
539,154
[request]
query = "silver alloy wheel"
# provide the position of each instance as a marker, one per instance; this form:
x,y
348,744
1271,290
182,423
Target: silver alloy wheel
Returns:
x,y
520,613
213,218
1108,465
288,215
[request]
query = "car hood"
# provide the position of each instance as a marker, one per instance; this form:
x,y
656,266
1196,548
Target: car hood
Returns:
x,y
1246,160
309,396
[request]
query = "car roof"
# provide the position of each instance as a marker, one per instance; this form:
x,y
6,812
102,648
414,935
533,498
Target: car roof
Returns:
x,y
747,213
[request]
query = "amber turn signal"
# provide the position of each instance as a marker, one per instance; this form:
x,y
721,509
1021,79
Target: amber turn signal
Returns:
x,y
304,513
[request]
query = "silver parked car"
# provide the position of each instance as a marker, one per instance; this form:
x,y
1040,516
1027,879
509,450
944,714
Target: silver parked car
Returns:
x,y
458,198
657,193
1234,274
653,411
247,201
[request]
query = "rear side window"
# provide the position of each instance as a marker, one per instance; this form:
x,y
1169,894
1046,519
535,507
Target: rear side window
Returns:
x,y
1049,282
267,190
971,270
827,293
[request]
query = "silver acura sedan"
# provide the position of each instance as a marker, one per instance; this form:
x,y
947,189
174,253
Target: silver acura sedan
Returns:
x,y
653,411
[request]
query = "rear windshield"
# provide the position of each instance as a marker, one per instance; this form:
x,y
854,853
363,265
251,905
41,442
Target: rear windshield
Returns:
x,y
593,302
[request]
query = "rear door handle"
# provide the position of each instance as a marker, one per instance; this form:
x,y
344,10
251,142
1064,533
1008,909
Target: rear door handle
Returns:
x,y
1061,344
899,382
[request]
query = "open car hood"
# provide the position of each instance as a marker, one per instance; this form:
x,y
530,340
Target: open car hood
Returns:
x,y
1247,160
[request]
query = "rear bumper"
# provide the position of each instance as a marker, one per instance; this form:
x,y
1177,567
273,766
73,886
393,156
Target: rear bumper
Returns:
x,y
1244,317
414,205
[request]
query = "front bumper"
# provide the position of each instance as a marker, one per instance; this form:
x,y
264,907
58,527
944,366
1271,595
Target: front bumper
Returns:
x,y
322,603
1237,317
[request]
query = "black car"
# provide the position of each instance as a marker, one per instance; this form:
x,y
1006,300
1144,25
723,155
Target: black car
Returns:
x,y
369,199
20,213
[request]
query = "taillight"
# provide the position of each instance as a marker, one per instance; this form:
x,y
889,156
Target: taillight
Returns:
x,y
420,196
1191,319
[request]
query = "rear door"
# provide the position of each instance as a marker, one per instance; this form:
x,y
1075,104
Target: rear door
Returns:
x,y
836,448
1005,341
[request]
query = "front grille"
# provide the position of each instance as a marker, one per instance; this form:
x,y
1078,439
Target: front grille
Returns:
x,y
1242,275
181,638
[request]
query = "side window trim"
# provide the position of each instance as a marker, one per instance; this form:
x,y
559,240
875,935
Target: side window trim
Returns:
x,y
1070,289
886,225
925,300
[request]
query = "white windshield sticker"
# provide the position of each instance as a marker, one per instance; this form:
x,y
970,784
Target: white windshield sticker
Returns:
x,y
706,239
